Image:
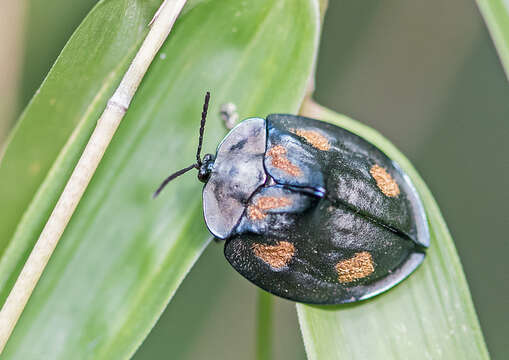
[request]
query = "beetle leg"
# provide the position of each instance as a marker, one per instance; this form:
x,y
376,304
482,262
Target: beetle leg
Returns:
x,y
229,115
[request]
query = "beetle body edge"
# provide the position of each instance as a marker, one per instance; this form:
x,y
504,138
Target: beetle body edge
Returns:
x,y
312,212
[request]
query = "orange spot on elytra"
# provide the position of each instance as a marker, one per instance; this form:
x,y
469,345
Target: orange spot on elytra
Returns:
x,y
314,138
257,211
384,181
357,267
277,256
280,161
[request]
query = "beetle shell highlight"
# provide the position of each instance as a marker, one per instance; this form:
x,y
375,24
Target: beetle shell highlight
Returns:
x,y
312,212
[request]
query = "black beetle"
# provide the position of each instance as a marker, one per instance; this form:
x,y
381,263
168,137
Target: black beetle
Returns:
x,y
310,211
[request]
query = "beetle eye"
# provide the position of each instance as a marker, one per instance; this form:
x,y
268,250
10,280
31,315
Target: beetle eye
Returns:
x,y
203,175
206,168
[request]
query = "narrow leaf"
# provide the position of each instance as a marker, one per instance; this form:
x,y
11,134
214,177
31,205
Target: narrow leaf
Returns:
x,y
264,326
430,315
73,94
496,16
123,254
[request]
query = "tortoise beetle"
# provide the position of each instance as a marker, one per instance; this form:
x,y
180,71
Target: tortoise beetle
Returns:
x,y
310,211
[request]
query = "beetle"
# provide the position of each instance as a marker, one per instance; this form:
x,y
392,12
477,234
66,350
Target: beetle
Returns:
x,y
310,211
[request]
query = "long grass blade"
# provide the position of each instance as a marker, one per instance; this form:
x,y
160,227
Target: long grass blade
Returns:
x,y
496,16
430,315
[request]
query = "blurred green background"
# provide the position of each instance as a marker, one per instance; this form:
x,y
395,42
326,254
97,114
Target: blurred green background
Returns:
x,y
425,74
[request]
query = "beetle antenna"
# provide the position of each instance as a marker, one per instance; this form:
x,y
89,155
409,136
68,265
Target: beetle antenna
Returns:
x,y
174,176
198,152
202,127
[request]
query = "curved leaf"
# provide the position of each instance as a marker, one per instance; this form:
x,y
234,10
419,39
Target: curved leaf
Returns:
x,y
496,16
430,315
73,94
123,254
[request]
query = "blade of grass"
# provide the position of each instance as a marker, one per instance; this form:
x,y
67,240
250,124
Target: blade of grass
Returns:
x,y
123,255
428,316
73,94
264,330
12,31
496,16
107,125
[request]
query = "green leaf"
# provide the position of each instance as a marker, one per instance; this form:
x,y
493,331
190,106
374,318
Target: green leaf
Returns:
x,y
123,254
264,326
73,94
496,16
428,316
